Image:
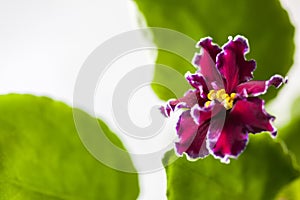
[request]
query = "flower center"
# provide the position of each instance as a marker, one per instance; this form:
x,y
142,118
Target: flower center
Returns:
x,y
222,97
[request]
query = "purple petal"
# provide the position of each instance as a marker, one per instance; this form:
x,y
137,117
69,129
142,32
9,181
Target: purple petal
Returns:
x,y
251,113
192,137
206,61
198,81
256,88
226,136
210,47
194,144
229,142
232,64
201,114
165,110
246,116
190,98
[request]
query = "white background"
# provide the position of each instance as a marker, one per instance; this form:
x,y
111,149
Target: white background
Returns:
x,y
43,44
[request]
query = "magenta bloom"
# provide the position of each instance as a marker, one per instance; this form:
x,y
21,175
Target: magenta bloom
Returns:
x,y
223,108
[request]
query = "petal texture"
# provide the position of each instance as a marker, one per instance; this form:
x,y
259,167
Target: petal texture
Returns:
x,y
210,47
232,64
256,88
192,137
198,82
230,142
247,116
190,98
252,114
206,62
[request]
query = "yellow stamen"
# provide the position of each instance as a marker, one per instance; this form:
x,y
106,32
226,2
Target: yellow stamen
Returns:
x,y
224,96
221,96
207,103
228,102
232,95
211,95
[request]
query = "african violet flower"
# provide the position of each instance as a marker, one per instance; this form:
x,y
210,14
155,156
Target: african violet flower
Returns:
x,y
223,108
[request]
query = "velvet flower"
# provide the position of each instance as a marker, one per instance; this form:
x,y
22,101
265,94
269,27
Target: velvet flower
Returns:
x,y
223,107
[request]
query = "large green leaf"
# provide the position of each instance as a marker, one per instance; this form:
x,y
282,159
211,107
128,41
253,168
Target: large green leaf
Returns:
x,y
259,173
265,23
42,157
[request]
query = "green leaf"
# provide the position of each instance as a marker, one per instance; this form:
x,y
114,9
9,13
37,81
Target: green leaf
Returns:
x,y
257,174
290,134
265,23
290,192
42,157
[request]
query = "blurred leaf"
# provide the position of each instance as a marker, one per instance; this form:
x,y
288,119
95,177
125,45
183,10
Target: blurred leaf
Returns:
x,y
290,135
265,23
290,192
290,132
295,111
42,157
257,174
